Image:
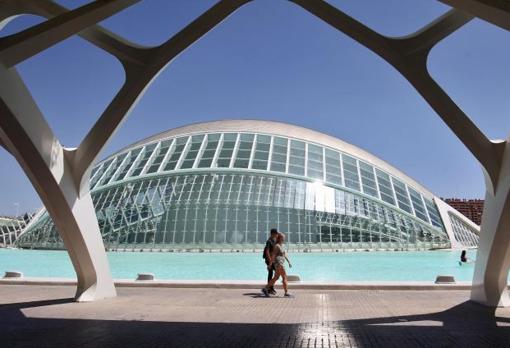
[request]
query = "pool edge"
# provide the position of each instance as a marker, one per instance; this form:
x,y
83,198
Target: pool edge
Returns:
x,y
230,284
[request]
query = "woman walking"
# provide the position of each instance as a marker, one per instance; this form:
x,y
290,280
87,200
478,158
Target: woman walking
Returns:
x,y
278,258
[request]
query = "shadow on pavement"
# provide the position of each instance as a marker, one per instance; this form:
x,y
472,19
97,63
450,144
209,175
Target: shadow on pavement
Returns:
x,y
464,325
255,295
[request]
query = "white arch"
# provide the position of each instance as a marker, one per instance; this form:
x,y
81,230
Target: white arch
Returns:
x,y
61,175
409,56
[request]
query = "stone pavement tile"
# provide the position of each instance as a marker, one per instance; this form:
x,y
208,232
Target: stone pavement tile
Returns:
x,y
38,316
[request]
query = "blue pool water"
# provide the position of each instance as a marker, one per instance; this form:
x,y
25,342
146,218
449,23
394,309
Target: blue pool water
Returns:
x,y
326,267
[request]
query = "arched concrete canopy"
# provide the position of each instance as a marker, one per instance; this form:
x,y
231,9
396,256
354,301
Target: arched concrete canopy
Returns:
x,y
61,175
409,56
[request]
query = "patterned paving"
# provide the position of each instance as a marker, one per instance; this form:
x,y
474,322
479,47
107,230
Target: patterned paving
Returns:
x,y
39,316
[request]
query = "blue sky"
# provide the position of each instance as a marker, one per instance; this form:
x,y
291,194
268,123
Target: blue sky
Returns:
x,y
272,60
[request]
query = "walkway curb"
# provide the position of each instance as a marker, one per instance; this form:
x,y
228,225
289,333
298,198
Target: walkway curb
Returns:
x,y
249,284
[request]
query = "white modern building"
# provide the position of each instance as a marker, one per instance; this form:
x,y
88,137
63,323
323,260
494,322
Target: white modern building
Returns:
x,y
224,184
11,228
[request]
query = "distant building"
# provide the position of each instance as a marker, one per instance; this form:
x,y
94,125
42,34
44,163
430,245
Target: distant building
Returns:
x,y
223,185
470,208
11,227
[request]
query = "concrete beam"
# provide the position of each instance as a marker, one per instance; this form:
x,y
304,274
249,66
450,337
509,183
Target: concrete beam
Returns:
x,y
2,144
127,52
27,43
492,11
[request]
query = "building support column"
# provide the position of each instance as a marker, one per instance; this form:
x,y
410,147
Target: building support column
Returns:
x,y
61,175
48,165
490,280
409,55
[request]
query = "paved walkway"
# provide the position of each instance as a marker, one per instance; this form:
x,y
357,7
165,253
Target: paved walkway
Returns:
x,y
45,316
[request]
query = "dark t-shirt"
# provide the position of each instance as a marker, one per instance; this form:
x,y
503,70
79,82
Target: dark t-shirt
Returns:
x,y
269,247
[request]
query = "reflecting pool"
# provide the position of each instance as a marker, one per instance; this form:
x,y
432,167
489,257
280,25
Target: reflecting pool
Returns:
x,y
326,267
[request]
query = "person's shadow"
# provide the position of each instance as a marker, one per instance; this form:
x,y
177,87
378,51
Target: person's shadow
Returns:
x,y
255,295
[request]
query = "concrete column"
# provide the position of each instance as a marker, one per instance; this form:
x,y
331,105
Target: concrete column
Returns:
x,y
29,138
61,175
493,258
409,56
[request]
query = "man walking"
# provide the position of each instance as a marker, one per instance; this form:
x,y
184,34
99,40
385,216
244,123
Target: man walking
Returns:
x,y
268,257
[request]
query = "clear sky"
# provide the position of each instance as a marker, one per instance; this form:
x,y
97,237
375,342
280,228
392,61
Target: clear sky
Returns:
x,y
272,60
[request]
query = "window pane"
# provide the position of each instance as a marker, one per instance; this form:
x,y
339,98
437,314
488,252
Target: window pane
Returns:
x,y
209,150
189,160
315,162
279,155
419,207
244,152
176,155
385,187
227,149
124,168
261,152
101,169
368,179
143,161
351,176
156,163
401,193
433,213
333,172
297,158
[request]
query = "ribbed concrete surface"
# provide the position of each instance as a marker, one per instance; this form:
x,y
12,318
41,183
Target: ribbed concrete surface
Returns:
x,y
44,316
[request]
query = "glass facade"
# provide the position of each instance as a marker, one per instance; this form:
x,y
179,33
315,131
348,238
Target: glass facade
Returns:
x,y
225,209
464,234
227,189
11,228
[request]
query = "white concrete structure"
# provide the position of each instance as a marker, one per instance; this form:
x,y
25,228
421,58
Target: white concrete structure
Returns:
x,y
60,175
409,56
493,263
459,228
11,228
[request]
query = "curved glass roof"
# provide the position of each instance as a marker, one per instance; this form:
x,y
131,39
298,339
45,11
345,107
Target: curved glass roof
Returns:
x,y
257,151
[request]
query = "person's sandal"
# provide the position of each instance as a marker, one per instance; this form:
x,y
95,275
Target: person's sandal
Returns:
x,y
265,292
287,295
